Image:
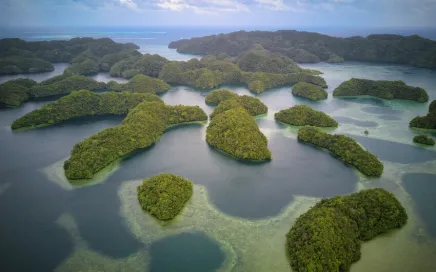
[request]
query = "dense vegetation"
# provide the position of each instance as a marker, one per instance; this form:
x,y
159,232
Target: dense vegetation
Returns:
x,y
83,103
164,195
142,127
147,64
302,115
382,89
328,236
309,91
423,139
313,47
15,92
345,148
86,55
216,97
145,84
236,133
428,121
251,104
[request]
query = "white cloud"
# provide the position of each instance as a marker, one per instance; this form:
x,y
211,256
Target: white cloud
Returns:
x,y
273,4
130,4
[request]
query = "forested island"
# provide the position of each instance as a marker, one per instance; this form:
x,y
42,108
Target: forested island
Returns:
x,y
228,100
428,121
86,55
344,148
310,47
309,91
164,195
142,127
423,139
328,236
302,115
384,89
216,97
235,132
15,92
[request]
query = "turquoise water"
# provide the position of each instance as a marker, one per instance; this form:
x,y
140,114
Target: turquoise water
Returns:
x,y
239,213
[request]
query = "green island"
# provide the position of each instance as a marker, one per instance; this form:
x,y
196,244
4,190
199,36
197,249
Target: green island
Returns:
x,y
236,133
328,236
423,139
145,84
15,92
251,104
302,115
86,55
384,89
309,91
428,121
142,127
164,195
311,47
80,104
345,148
216,97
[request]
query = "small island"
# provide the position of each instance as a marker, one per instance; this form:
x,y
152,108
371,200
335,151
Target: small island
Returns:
x,y
236,133
142,127
384,89
216,97
424,140
328,236
164,195
145,84
251,104
15,92
344,148
428,121
302,115
309,91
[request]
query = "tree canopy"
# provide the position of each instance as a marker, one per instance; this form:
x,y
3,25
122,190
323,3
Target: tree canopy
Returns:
x,y
15,92
309,91
423,139
302,115
428,121
251,104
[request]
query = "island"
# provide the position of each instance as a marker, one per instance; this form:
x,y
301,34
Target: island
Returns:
x,y
164,195
216,97
145,84
384,89
142,127
302,115
344,148
15,92
311,47
328,236
423,139
236,133
81,104
309,91
12,65
251,104
425,122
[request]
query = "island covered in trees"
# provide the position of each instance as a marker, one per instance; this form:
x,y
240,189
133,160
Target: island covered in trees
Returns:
x,y
384,89
310,47
302,115
345,148
428,121
164,195
309,91
328,236
423,139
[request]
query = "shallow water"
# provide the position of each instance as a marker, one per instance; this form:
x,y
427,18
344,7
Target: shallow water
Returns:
x,y
240,212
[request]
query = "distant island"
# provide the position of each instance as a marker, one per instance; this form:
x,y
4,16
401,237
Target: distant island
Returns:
x,y
428,121
345,148
384,89
142,127
328,236
423,139
310,47
302,115
87,56
164,195
309,91
216,97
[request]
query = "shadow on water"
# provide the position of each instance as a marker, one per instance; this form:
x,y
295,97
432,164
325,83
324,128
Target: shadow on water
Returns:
x,y
381,110
189,251
388,117
422,188
359,123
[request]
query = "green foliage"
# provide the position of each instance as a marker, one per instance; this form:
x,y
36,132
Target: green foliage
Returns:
x,y
225,106
345,148
251,104
216,97
83,103
302,115
265,61
164,195
423,139
329,235
309,91
23,65
428,121
146,84
12,94
235,132
87,67
25,82
142,127
382,89
66,86
147,64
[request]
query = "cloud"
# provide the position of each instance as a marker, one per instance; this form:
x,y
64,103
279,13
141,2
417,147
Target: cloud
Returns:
x,y
203,6
130,4
274,5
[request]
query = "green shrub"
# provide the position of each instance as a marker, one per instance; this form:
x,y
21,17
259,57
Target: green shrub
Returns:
x,y
329,235
345,148
423,139
302,115
164,195
309,91
426,122
216,97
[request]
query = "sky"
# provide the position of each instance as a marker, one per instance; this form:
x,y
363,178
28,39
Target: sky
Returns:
x,y
204,13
